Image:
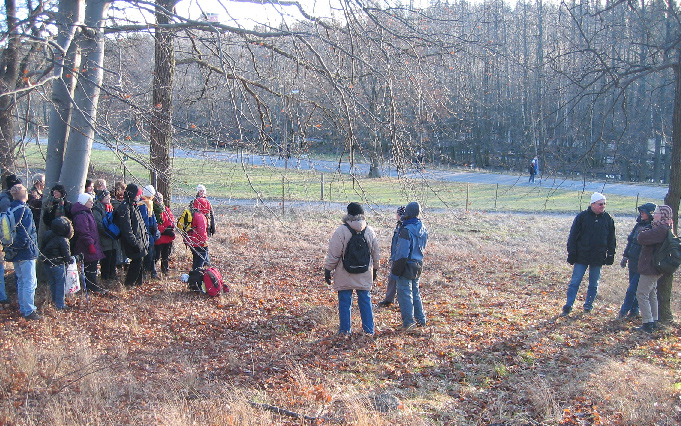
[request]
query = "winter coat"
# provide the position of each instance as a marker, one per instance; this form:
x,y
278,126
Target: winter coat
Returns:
x,y
25,245
147,211
592,238
85,234
35,201
411,243
167,222
633,249
342,279
650,240
393,243
210,215
106,242
197,236
54,246
134,235
5,200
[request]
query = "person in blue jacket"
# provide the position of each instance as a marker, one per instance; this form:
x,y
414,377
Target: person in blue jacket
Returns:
x,y
407,266
23,252
630,257
391,288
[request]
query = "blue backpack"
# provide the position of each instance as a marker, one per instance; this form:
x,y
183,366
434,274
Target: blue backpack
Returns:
x,y
111,229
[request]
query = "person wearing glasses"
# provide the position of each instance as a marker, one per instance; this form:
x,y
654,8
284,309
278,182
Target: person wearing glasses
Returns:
x,y
591,245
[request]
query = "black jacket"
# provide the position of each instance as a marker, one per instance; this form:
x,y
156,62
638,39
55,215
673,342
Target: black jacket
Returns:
x,y
54,246
592,238
134,235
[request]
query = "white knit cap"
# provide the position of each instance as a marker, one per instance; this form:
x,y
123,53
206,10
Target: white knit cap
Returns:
x,y
148,191
200,188
84,198
596,197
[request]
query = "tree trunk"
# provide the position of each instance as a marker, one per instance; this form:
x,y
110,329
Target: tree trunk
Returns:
x,y
86,97
9,73
162,116
62,90
674,193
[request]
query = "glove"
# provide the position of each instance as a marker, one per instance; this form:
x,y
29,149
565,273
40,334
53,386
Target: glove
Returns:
x,y
623,262
169,232
327,276
375,274
91,249
211,231
609,259
572,259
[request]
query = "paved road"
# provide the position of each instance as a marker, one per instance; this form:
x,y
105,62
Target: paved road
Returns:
x,y
648,192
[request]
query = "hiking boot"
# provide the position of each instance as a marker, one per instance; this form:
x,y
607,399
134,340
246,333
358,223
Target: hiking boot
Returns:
x,y
587,310
33,316
408,327
647,327
566,311
421,324
384,303
5,302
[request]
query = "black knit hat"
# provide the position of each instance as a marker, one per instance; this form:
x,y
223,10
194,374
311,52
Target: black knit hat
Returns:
x,y
132,190
59,187
412,210
101,193
354,209
12,180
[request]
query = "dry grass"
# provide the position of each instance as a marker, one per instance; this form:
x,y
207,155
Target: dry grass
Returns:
x,y
494,352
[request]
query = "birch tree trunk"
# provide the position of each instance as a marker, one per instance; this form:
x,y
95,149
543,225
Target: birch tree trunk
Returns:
x,y
86,97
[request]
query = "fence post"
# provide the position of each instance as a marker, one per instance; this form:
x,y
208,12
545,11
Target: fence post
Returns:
x,y
636,206
322,188
283,195
496,195
467,184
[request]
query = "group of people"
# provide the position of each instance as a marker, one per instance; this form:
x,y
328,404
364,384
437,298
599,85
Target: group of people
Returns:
x,y
406,263
591,244
132,230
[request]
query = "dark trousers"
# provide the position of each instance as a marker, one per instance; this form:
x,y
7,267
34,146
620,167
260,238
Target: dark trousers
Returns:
x,y
108,265
199,257
135,273
149,264
163,252
91,275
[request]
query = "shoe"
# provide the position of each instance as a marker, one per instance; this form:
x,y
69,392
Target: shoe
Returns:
x,y
408,327
5,302
384,303
587,310
33,316
647,327
566,311
421,324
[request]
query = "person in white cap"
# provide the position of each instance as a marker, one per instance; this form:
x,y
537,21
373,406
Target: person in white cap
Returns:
x,y
201,193
591,245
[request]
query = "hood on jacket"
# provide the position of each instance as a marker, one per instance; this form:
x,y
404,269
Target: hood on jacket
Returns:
x,y
356,222
62,227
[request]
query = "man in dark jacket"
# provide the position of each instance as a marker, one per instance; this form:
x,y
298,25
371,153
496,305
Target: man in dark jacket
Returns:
x,y
23,252
134,235
591,245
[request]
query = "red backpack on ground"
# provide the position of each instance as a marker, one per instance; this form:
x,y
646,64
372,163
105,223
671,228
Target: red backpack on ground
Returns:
x,y
208,281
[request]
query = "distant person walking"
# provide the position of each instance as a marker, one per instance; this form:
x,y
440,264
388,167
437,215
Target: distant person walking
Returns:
x,y
630,257
407,266
354,264
591,245
533,168
650,239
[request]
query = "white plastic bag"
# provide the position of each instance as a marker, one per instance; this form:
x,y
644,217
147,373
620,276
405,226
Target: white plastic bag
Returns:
x,y
72,284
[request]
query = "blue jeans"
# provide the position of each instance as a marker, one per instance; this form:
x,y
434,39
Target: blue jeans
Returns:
x,y
26,284
56,277
409,298
365,311
3,293
630,304
577,275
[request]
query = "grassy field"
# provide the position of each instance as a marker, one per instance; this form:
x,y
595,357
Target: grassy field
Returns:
x,y
495,350
236,181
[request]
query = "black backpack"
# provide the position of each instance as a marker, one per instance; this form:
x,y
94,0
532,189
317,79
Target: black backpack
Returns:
x,y
667,258
357,255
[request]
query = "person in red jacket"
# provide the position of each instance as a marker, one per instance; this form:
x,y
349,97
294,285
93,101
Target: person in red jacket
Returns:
x,y
166,226
197,237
